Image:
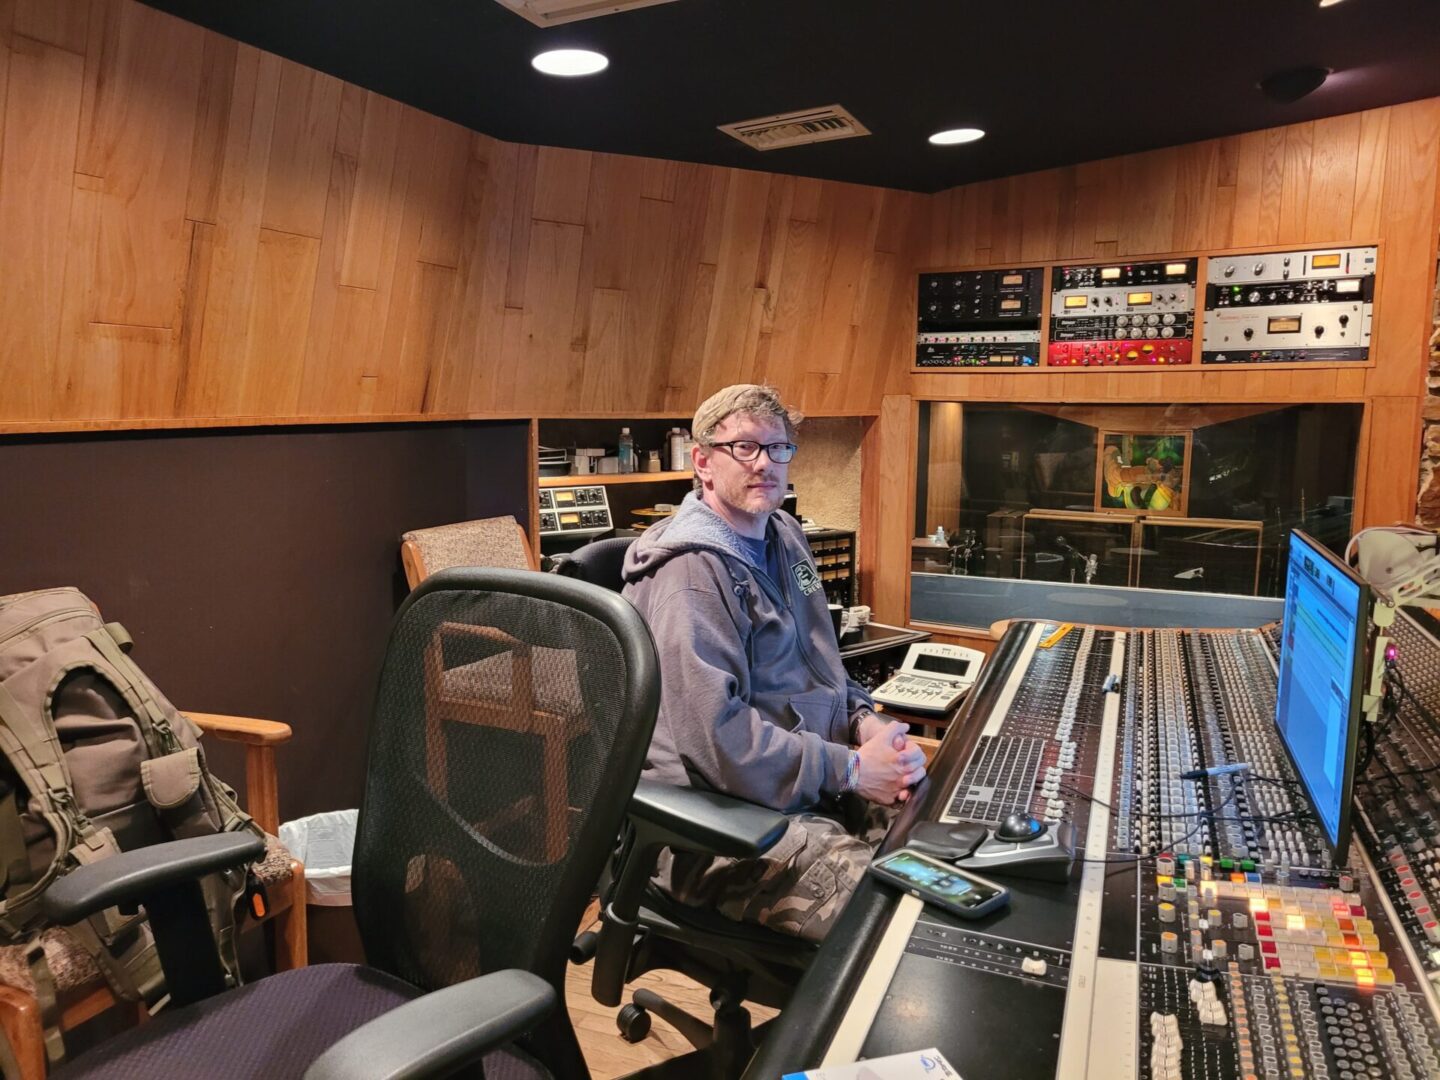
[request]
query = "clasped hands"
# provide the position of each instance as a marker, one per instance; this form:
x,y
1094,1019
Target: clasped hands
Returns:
x,y
890,763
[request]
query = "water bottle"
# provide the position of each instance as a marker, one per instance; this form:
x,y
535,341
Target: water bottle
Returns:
x,y
627,451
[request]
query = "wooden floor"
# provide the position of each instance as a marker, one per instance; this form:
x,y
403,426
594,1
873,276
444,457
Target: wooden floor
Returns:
x,y
607,1054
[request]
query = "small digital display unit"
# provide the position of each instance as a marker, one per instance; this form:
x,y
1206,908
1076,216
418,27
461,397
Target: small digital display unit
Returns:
x,y
1322,665
942,665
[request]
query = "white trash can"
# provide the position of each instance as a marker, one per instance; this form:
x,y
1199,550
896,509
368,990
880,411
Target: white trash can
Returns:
x,y
325,843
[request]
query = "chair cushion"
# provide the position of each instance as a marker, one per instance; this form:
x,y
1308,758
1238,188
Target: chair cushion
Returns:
x,y
493,541
554,681
73,967
274,1028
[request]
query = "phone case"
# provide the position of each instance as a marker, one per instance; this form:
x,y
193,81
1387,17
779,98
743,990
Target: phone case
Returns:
x,y
999,899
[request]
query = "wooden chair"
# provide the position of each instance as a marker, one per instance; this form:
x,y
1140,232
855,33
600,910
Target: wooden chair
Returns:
x,y
514,687
497,541
82,992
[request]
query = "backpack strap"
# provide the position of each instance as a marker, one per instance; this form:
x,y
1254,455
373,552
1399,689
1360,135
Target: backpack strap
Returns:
x,y
47,1000
34,751
110,641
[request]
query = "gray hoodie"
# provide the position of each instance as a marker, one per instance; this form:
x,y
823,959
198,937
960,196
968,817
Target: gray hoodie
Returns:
x,y
754,701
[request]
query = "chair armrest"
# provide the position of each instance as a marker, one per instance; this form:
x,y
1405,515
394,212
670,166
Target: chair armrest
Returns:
x,y
439,1033
241,729
704,821
661,816
131,876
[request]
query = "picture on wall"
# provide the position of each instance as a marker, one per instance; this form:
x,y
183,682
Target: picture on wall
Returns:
x,y
1148,473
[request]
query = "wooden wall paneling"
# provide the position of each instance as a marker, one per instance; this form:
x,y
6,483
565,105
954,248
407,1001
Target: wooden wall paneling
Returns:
x,y
1039,195
733,326
371,223
1406,285
606,386
1295,182
1334,169
943,466
892,449
214,386
286,265
794,301
297,169
1390,472
414,296
550,370
467,367
562,185
1097,213
854,224
1220,226
1147,201
218,70
649,322
37,160
142,153
319,379
1196,178
1371,160
612,212
66,26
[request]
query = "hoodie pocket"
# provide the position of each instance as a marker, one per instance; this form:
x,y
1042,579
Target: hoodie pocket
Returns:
x,y
814,711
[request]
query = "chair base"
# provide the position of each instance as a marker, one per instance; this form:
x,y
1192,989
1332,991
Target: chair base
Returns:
x,y
728,1042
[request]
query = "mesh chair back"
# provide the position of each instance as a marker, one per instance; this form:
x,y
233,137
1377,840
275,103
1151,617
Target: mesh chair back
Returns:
x,y
510,725
598,562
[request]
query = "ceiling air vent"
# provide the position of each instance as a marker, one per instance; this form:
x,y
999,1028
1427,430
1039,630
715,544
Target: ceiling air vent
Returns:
x,y
796,128
555,12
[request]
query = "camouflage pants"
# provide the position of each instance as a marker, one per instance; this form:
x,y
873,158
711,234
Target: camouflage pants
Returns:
x,y
799,886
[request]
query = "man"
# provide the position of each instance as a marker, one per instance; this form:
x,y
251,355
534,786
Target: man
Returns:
x,y
754,701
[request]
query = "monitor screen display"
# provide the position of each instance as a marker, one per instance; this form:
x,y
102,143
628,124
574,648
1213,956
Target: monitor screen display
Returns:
x,y
944,665
1317,703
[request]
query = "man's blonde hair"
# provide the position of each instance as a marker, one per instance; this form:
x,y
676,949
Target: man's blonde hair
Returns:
x,y
751,399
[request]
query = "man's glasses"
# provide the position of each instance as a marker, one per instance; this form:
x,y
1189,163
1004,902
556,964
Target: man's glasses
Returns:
x,y
745,450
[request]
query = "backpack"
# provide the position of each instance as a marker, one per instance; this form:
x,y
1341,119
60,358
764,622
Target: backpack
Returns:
x,y
94,760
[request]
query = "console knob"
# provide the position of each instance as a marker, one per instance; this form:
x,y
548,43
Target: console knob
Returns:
x,y
1344,320
1230,270
1258,268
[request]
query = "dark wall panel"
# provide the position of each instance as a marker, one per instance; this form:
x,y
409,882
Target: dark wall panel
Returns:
x,y
257,571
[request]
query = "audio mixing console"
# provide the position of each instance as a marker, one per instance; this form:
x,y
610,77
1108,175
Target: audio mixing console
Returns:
x,y
1205,932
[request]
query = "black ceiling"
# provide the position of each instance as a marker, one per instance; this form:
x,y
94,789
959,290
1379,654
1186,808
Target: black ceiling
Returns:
x,y
1052,82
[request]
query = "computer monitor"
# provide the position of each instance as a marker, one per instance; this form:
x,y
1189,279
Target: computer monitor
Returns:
x,y
1322,665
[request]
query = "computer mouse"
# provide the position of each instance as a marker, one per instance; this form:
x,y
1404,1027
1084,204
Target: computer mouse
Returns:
x,y
1019,827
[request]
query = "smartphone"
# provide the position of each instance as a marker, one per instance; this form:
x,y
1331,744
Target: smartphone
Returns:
x,y
948,887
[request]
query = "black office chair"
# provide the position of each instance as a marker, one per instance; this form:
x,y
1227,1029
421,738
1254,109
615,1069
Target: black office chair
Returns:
x,y
643,929
598,562
466,929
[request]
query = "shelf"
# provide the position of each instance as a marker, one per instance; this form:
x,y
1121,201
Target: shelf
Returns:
x,y
614,478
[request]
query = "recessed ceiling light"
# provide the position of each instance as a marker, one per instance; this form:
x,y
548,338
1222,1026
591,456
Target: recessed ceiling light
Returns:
x,y
1329,3
570,62
956,136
